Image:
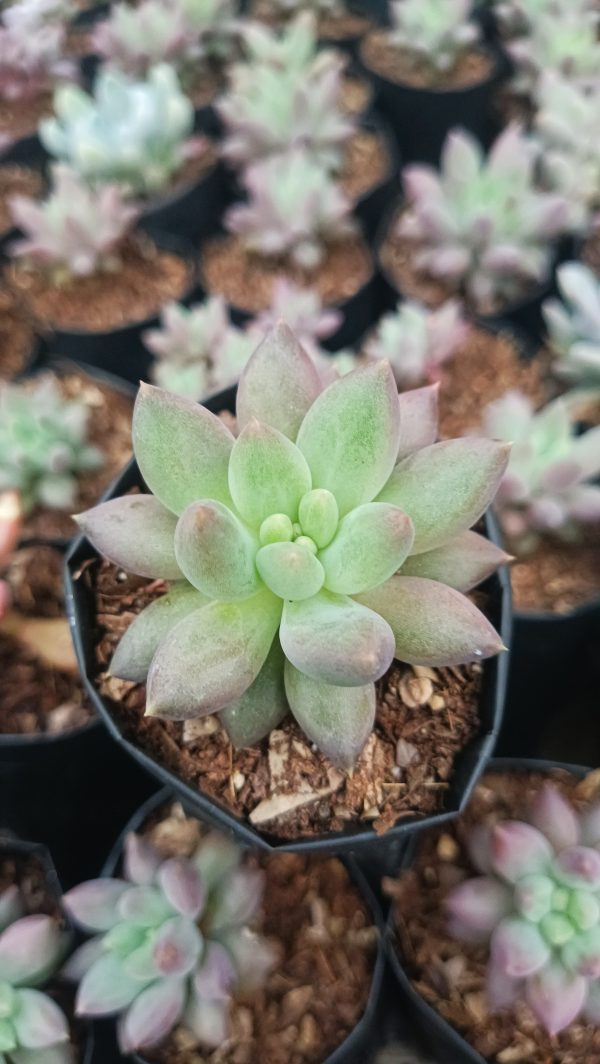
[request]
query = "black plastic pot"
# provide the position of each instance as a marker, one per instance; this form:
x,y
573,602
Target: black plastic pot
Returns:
x,y
193,211
469,764
370,208
446,1044
421,118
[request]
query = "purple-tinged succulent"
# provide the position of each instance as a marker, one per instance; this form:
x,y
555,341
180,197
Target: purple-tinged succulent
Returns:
x,y
439,32
517,17
417,341
302,311
329,537
32,63
293,49
567,125
76,231
172,942
574,325
133,39
33,1029
547,487
481,225
564,41
537,902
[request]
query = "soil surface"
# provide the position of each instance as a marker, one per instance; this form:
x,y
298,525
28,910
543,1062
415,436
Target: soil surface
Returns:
x,y
28,873
403,67
109,428
20,118
450,975
145,280
246,280
284,786
558,577
16,336
318,922
16,180
591,251
366,164
331,28
356,95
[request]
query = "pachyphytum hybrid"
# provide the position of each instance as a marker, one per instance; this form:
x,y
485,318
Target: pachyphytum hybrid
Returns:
x,y
573,324
331,536
417,341
438,32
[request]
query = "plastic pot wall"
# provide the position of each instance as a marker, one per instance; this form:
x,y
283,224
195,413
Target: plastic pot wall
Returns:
x,y
193,211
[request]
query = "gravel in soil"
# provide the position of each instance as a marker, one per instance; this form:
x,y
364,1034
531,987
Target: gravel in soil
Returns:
x,y
403,67
356,95
557,577
450,975
20,118
366,164
16,180
16,336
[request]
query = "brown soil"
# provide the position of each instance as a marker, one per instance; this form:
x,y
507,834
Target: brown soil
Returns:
x,y
284,786
246,280
318,922
340,28
35,697
79,42
558,577
366,164
19,118
450,975
591,250
110,430
356,95
16,336
28,873
399,65
16,180
146,279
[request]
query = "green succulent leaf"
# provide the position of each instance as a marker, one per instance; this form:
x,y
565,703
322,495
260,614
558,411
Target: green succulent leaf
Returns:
x,y
371,544
267,474
279,383
181,448
334,639
136,533
133,656
433,624
106,988
418,419
38,1020
262,707
211,657
461,479
338,719
462,563
290,570
319,515
216,551
351,433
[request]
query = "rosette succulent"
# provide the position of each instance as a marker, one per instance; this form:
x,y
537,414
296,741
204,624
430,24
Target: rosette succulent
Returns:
x,y
574,324
302,311
564,41
76,230
32,15
131,132
198,350
567,124
438,32
172,942
43,444
329,537
481,225
537,901
292,49
33,1029
31,63
417,341
547,487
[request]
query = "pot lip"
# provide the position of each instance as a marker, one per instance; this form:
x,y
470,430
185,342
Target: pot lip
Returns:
x,y
373,122
338,1055
172,196
471,760
434,92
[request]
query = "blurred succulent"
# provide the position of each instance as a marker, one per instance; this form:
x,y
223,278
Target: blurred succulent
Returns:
x,y
198,350
417,341
537,901
302,311
31,16
574,324
43,444
292,50
284,546
76,231
293,211
564,41
213,24
438,32
11,524
518,16
33,1029
481,224
172,942
32,63
567,124
547,487
132,132
324,8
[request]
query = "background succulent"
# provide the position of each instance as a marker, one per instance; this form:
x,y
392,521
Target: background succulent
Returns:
x,y
31,16
31,63
33,1029
172,942
284,548
547,487
43,444
481,224
574,324
76,230
567,123
293,48
564,41
438,31
537,901
417,341
131,132
301,308
518,16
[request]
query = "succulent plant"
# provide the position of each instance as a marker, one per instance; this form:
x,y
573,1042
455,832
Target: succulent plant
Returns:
x,y
172,942
302,311
565,41
481,224
547,486
294,210
213,24
131,132
198,350
574,324
518,16
33,1029
43,444
32,63
11,523
284,547
417,341
438,32
76,230
31,16
292,49
537,901
567,124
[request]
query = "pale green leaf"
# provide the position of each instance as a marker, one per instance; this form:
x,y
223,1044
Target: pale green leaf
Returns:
x,y
262,707
338,720
279,383
136,533
216,551
267,474
131,660
290,570
371,544
461,563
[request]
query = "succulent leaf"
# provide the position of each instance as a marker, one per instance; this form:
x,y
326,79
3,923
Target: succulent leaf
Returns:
x,y
38,1021
133,656
216,551
263,706
418,419
93,904
136,533
371,544
556,997
153,1014
462,563
338,720
268,474
106,988
279,383
290,570
438,34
